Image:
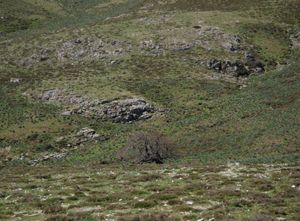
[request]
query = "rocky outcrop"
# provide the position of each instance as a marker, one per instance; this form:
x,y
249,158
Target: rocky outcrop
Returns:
x,y
117,110
126,110
237,68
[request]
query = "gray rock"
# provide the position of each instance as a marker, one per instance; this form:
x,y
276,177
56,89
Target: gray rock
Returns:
x,y
86,132
127,110
15,80
66,113
295,41
232,43
51,95
118,110
237,68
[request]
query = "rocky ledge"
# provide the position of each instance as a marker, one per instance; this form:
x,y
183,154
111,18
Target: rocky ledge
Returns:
x,y
118,110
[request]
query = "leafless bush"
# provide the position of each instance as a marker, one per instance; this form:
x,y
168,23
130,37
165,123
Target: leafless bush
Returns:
x,y
147,147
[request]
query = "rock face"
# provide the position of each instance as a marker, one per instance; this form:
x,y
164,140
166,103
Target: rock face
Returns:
x,y
118,110
237,68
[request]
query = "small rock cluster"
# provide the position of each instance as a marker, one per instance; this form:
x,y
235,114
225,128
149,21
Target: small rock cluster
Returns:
x,y
40,56
207,37
158,48
91,49
237,68
117,110
226,41
84,135
295,39
47,157
15,80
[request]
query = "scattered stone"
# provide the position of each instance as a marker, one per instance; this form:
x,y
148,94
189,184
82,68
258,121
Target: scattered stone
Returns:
x,y
84,135
90,49
66,113
47,157
150,45
88,134
222,40
51,95
40,56
44,54
295,41
232,44
15,80
189,202
181,46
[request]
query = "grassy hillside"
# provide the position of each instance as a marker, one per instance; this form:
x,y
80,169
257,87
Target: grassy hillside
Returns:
x,y
160,52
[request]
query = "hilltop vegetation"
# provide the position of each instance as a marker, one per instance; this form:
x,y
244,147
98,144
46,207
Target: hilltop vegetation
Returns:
x,y
220,79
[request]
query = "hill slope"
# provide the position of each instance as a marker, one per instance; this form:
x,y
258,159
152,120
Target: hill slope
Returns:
x,y
219,78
